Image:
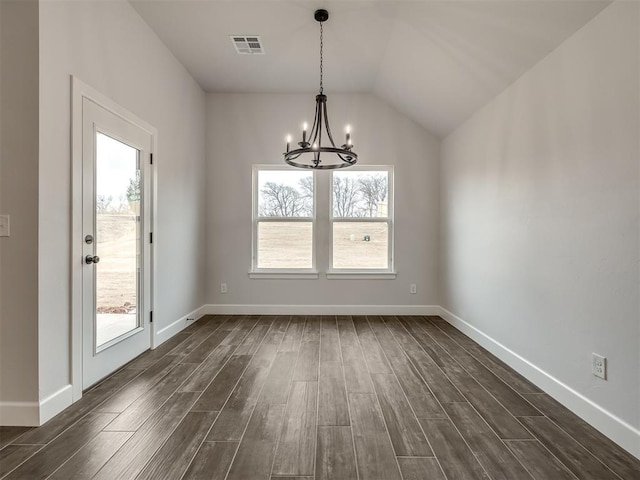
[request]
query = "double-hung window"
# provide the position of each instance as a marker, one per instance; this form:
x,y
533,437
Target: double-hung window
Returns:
x,y
283,220
356,231
362,220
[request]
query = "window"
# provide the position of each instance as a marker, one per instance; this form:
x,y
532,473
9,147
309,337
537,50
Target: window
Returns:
x,y
356,208
283,220
361,219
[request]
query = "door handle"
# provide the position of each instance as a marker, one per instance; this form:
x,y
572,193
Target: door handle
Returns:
x,y
89,259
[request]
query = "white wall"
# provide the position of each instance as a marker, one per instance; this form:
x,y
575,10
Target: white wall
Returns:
x,y
247,129
109,47
19,199
540,207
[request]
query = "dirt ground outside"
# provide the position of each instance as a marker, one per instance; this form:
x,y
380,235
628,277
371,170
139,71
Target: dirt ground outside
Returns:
x,y
117,272
355,245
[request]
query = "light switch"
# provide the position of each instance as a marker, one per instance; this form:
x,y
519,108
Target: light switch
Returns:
x,y
4,225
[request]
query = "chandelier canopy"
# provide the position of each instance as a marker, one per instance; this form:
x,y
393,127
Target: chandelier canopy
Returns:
x,y
311,152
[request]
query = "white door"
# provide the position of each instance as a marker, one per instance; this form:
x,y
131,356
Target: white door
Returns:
x,y
116,193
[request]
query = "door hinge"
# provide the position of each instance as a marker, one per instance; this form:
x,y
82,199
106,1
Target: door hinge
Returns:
x,y
151,158
150,237
151,316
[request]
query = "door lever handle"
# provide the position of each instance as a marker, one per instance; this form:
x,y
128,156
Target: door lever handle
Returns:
x,y
89,259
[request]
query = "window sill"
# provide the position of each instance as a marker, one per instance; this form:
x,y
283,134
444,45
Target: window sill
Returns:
x,y
285,275
361,275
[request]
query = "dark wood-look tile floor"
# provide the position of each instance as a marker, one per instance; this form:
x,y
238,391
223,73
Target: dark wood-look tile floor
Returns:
x,y
295,397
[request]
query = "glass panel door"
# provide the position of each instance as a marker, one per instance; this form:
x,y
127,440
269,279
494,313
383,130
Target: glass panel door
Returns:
x,y
117,201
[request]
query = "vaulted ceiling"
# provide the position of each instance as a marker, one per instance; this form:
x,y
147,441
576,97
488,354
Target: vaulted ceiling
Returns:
x,y
436,61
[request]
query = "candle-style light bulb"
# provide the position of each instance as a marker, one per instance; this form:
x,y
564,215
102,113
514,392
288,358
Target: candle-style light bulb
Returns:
x,y
304,131
315,146
288,142
348,139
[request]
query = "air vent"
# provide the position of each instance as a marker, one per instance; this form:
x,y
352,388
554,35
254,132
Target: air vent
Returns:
x,y
247,45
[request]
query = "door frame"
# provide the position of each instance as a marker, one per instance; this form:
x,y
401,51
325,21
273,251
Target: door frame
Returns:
x,y
80,91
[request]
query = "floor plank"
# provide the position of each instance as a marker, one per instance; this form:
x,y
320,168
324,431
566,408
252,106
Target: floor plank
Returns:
x,y
311,331
141,409
504,424
490,451
493,363
617,459
150,357
308,360
140,385
293,336
9,434
335,457
509,398
406,436
48,459
296,449
252,341
276,388
216,394
14,455
435,378
356,372
374,453
212,461
333,408
131,458
584,465
538,461
92,457
373,355
456,460
417,468
258,446
329,342
206,372
172,460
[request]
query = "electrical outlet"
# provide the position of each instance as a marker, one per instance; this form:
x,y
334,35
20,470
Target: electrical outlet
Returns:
x,y
223,288
599,366
413,288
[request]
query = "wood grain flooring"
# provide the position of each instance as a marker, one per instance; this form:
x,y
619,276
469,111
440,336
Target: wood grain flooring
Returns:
x,y
316,398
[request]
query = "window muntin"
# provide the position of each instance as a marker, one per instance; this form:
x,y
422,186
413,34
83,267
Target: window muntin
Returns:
x,y
361,220
284,218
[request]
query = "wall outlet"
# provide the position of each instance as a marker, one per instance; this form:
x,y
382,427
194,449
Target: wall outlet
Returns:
x,y
599,366
413,288
223,288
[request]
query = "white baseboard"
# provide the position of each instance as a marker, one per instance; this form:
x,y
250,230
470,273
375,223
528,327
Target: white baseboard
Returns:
x,y
222,309
21,414
55,403
34,414
170,330
625,435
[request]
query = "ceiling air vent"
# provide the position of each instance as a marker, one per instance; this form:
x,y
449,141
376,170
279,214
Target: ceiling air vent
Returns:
x,y
247,44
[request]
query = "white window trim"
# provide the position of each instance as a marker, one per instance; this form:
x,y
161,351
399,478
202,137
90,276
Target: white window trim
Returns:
x,y
388,273
280,273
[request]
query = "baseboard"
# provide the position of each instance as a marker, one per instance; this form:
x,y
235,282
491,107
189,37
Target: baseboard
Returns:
x,y
222,309
23,414
170,330
625,435
55,403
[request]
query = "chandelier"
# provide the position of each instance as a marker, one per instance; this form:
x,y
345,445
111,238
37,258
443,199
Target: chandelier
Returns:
x,y
311,153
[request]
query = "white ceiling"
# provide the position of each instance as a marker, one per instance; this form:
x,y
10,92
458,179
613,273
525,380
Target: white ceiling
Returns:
x,y
436,61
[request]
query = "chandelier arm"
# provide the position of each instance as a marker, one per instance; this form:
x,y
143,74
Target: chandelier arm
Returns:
x,y
326,124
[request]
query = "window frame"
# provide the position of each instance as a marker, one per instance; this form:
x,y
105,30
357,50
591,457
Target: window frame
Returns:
x,y
256,219
371,273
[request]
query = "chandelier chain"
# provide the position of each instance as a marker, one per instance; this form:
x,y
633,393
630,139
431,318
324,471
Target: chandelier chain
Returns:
x,y
321,49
